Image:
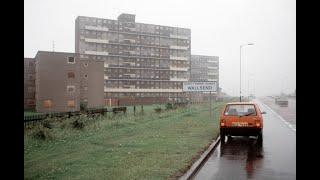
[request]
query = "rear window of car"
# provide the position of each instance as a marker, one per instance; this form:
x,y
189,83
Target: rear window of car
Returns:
x,y
240,110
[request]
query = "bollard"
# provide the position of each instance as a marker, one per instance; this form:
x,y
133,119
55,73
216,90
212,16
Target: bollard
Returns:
x,y
134,110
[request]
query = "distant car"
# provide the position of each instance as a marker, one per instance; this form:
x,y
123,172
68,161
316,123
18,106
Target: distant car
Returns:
x,y
241,119
281,101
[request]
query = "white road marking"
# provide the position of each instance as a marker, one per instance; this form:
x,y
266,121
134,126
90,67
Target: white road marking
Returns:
x,y
282,119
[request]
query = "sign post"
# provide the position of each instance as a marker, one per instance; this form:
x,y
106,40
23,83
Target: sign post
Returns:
x,y
208,86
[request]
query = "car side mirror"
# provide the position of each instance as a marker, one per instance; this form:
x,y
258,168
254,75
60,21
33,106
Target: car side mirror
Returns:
x,y
263,113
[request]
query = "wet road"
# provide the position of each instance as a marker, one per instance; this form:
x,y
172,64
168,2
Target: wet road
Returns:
x,y
287,113
242,158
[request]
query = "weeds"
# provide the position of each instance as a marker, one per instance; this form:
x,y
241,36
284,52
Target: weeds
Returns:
x,y
43,133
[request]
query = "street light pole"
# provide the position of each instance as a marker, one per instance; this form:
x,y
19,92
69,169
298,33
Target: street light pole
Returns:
x,y
249,44
240,72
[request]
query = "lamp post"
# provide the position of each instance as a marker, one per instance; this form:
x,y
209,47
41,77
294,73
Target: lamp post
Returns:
x,y
242,45
250,77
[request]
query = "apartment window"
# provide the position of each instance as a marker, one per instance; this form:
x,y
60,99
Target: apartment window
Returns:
x,y
71,75
71,89
47,103
71,103
71,60
85,64
30,102
85,76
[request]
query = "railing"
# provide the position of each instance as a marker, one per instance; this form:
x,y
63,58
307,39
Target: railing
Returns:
x,y
32,119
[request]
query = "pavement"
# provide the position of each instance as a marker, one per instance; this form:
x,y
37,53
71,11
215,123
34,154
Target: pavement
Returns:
x,y
241,157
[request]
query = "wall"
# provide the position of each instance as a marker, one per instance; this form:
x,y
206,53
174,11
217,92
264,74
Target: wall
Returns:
x,y
52,80
29,83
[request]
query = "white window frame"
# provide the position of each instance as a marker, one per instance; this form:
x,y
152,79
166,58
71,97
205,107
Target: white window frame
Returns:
x,y
74,60
71,86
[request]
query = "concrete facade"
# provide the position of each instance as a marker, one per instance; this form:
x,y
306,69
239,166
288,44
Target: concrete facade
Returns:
x,y
117,62
141,61
57,82
92,83
29,83
204,68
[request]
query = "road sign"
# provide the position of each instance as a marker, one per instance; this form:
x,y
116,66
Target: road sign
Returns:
x,y
200,86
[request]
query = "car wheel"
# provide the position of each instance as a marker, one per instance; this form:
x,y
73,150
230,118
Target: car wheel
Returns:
x,y
260,137
222,136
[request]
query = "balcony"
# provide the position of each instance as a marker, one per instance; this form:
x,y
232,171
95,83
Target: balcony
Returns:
x,y
179,47
174,68
211,67
178,37
212,61
129,86
129,40
127,64
178,79
96,53
179,58
140,90
106,77
97,40
129,75
96,28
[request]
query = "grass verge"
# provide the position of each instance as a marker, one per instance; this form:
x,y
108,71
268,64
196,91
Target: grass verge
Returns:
x,y
150,146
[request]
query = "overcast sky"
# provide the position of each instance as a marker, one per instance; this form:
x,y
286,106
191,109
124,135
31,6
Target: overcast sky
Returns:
x,y
218,27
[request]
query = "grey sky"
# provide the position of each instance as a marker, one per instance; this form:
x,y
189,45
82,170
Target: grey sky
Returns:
x,y
218,27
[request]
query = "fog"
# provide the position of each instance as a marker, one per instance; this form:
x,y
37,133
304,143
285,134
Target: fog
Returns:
x,y
218,28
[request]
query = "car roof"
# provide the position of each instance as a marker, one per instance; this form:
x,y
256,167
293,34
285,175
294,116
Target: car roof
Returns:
x,y
244,103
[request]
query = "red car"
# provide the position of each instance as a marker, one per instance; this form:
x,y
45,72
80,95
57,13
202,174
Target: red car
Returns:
x,y
241,119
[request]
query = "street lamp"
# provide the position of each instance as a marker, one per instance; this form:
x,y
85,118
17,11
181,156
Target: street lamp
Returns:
x,y
242,45
250,77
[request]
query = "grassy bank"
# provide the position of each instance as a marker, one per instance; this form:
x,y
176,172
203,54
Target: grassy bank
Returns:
x,y
149,146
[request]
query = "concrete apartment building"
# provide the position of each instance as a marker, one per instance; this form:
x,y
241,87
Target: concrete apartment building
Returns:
x,y
143,63
116,62
60,82
204,68
29,83
57,82
91,83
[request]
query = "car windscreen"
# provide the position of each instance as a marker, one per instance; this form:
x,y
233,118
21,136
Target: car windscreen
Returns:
x,y
240,110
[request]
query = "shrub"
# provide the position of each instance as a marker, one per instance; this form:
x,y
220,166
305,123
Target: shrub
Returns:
x,y
169,106
47,124
158,109
83,106
78,124
43,134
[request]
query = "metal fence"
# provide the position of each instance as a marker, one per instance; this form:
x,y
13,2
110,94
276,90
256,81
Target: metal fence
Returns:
x,y
32,119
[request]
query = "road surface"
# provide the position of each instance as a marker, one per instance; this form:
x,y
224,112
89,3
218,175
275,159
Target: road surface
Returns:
x,y
242,158
287,113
